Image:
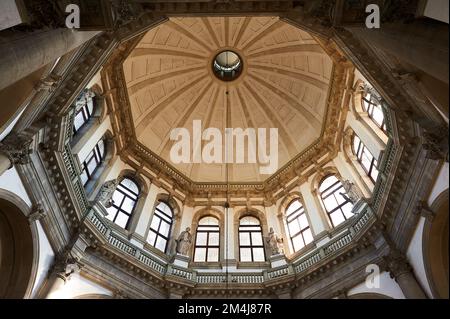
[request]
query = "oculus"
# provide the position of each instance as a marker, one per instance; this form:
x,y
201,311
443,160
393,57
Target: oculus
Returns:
x,y
227,65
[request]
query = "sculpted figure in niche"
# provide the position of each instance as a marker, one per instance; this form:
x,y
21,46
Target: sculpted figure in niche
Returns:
x,y
106,193
184,242
275,243
353,192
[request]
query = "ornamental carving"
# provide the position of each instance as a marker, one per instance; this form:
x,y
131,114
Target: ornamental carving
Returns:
x,y
65,265
275,243
106,192
354,194
37,213
16,148
184,242
397,264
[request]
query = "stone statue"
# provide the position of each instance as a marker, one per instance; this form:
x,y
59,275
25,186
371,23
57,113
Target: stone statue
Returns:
x,y
353,192
84,98
106,193
184,242
275,243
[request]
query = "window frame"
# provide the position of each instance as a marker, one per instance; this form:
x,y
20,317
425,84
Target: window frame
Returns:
x,y
296,218
99,158
84,110
251,246
360,152
369,105
158,212
125,195
339,206
207,246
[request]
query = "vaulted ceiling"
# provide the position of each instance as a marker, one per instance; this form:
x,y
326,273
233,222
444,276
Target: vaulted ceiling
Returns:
x,y
284,85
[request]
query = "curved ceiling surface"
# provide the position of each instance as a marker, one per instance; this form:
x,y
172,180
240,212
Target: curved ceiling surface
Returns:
x,y
284,85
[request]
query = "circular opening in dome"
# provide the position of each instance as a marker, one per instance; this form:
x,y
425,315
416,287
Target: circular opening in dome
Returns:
x,y
227,65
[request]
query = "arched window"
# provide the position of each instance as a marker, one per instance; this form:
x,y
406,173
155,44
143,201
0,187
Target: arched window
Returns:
x,y
365,158
298,226
207,242
92,162
372,105
84,109
335,200
124,199
251,246
160,227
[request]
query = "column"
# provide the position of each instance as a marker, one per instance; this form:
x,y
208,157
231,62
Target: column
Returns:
x,y
23,53
423,44
147,211
229,234
315,213
11,14
402,272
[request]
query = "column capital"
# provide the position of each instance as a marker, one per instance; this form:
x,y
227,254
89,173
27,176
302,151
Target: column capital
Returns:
x,y
436,144
424,210
37,213
65,265
397,264
17,148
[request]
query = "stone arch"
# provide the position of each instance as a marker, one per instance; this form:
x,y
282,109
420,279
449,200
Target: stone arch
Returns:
x,y
205,212
435,247
321,175
19,248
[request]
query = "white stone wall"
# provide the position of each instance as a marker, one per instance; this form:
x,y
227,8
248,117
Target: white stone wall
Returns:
x,y
387,287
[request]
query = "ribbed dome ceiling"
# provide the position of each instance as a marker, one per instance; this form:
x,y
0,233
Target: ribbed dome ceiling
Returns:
x,y
284,85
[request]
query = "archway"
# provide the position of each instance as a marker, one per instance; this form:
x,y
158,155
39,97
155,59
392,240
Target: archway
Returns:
x,y
435,247
16,252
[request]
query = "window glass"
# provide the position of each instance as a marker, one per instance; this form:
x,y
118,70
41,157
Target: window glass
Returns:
x,y
124,202
207,243
251,246
160,225
335,200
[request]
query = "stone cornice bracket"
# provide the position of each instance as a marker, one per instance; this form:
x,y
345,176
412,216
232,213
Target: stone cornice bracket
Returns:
x,y
125,12
44,14
436,144
396,263
424,210
37,213
17,149
48,83
65,265
119,294
341,294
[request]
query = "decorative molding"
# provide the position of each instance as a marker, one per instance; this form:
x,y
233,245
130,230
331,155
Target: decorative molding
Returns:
x,y
17,148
